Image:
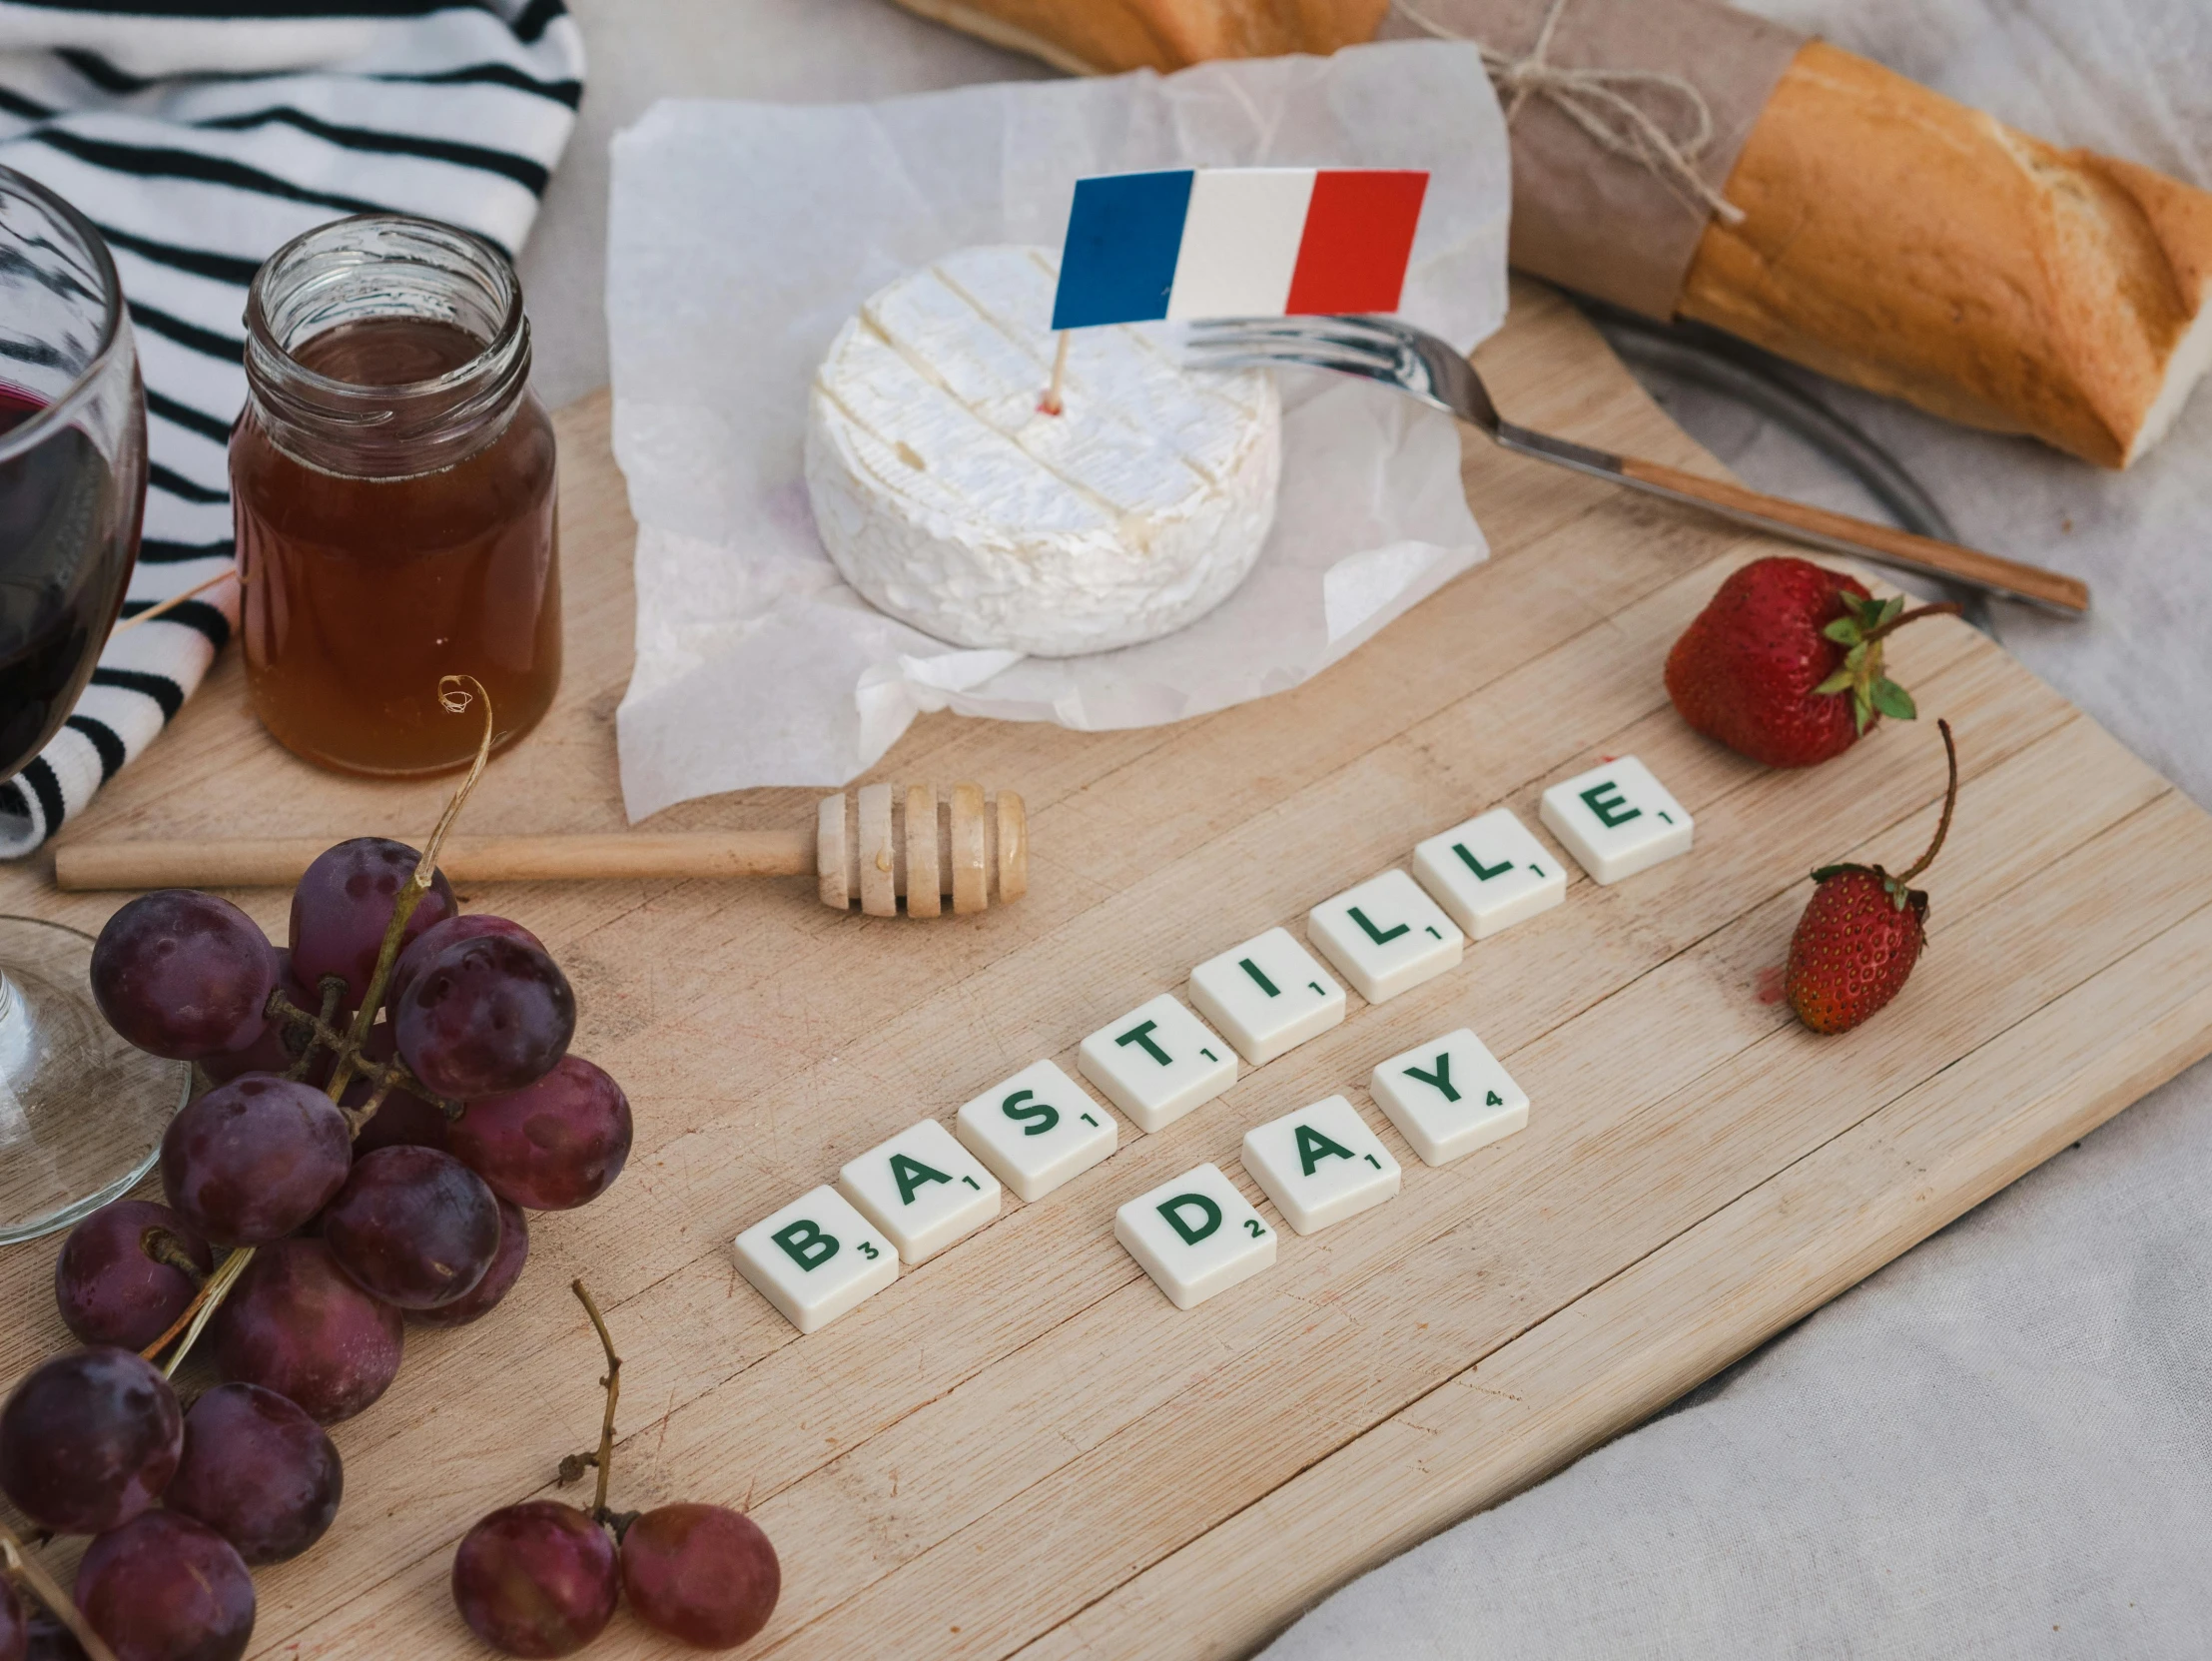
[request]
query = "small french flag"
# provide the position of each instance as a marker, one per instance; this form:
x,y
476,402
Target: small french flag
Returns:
x,y
1245,242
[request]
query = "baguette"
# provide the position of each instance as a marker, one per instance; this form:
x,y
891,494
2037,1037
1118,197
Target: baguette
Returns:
x,y
1892,238
1107,36
1907,244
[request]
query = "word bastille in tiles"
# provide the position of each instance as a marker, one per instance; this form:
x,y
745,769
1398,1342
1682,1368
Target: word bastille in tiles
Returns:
x,y
929,1188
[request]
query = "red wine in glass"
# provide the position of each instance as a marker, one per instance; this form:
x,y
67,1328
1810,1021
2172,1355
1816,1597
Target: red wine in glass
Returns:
x,y
68,539
81,1112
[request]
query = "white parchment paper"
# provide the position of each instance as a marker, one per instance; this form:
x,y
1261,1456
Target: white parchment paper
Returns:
x,y
741,236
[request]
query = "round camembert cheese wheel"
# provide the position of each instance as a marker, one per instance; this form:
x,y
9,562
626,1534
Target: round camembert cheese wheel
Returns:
x,y
952,500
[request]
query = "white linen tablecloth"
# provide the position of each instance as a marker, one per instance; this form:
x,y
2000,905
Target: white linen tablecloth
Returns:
x,y
2000,1446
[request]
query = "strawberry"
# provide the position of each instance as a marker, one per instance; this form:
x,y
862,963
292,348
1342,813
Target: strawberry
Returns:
x,y
1861,932
1785,662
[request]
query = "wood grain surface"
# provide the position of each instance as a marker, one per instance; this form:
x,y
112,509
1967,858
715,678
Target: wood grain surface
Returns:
x,y
1021,1446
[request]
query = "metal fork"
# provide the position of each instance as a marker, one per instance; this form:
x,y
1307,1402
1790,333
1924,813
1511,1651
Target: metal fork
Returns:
x,y
1415,361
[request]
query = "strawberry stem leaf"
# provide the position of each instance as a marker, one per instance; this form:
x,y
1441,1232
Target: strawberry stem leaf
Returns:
x,y
1861,631
1894,700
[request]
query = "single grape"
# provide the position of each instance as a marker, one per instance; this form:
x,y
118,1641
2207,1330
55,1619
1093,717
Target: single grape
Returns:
x,y
294,1323
343,907
15,1625
167,1588
277,1046
184,974
415,1227
474,924
484,1016
253,1160
110,1284
258,1471
701,1573
537,1578
555,1145
505,1269
89,1439
403,1119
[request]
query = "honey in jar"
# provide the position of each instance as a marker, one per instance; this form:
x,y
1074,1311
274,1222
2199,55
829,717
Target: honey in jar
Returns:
x,y
393,488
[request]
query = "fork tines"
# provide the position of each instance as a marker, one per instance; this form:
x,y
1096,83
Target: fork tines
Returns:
x,y
1317,341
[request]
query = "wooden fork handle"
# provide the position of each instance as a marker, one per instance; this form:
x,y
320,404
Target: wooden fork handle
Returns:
x,y
1844,534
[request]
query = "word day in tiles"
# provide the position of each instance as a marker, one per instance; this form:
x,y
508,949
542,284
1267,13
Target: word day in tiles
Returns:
x,y
930,1187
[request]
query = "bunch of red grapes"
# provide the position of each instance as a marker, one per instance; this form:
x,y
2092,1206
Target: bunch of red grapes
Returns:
x,y
402,1195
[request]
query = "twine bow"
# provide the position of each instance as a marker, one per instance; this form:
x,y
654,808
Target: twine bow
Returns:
x,y
1599,102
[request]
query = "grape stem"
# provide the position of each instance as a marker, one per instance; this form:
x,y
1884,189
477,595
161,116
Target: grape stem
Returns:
x,y
201,1310
320,1029
455,693
166,1248
603,1461
58,1604
385,1077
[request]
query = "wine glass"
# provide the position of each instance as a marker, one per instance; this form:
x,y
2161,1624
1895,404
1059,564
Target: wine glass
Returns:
x,y
81,1112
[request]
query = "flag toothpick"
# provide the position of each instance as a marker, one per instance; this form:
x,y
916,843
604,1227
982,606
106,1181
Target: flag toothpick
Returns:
x,y
1052,402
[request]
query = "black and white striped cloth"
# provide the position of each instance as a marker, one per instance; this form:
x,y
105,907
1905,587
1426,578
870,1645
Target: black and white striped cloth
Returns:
x,y
200,136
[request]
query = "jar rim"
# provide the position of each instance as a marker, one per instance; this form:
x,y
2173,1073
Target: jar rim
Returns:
x,y
333,234
331,273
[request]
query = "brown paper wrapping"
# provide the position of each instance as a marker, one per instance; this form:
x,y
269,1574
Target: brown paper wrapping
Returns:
x,y
1602,224
1592,221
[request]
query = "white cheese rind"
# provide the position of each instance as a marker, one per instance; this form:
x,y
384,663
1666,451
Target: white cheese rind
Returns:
x,y
952,502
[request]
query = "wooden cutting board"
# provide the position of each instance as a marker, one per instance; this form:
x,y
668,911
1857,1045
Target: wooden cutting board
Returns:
x,y
1021,1443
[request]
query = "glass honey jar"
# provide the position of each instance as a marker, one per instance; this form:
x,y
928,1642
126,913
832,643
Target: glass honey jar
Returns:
x,y
391,483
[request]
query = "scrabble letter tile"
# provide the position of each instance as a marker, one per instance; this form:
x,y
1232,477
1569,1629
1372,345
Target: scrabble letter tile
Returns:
x,y
1490,872
1268,995
1385,935
1617,819
922,1188
1320,1164
816,1258
1037,1130
1449,1097
1157,1063
1195,1235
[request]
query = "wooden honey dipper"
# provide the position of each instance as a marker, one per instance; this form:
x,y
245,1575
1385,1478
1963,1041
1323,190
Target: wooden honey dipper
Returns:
x,y
861,848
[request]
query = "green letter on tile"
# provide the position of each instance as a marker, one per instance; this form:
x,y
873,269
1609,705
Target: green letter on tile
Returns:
x,y
1441,1079
910,1175
1141,1035
1172,1211
1605,800
1381,937
805,1243
1483,873
1313,1148
1043,1115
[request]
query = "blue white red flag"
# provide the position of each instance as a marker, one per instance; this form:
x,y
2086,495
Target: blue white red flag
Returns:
x,y
1259,241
